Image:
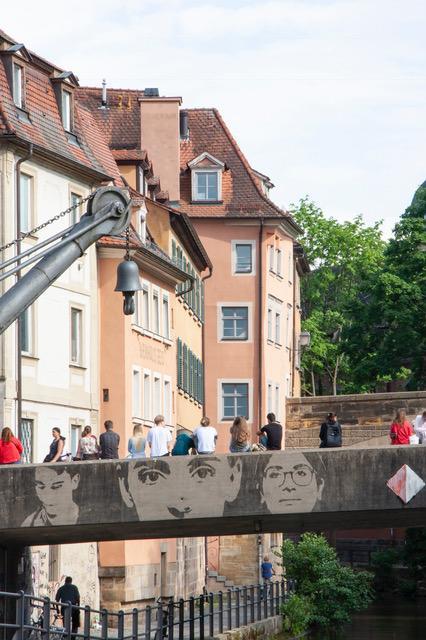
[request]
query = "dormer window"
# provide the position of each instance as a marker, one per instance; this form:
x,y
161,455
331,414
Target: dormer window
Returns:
x,y
66,109
18,85
206,178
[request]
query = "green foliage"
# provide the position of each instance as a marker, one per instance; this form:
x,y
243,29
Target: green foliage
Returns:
x,y
333,590
298,613
415,552
382,563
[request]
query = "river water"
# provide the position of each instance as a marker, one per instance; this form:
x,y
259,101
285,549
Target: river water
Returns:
x,y
386,620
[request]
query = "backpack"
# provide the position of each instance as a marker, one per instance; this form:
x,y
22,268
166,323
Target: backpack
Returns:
x,y
333,437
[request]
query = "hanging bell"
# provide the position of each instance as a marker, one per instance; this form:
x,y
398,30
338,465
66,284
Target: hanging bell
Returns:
x,y
128,281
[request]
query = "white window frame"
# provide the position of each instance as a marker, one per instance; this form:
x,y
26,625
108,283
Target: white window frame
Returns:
x,y
76,213
249,306
146,312
290,266
234,244
147,405
269,396
30,325
66,109
156,293
136,392
30,202
194,184
222,381
271,258
274,311
79,360
277,401
75,428
289,327
167,399
279,262
277,327
165,296
157,409
18,85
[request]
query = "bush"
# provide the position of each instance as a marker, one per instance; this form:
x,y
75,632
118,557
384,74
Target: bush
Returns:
x,y
333,590
382,563
298,613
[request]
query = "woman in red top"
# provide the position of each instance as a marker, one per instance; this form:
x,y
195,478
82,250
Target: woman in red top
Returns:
x,y
10,447
401,429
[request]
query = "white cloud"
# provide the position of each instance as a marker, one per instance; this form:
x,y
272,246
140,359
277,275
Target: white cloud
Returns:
x,y
326,96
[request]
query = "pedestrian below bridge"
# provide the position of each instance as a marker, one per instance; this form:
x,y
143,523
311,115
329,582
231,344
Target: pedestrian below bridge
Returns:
x,y
69,593
10,447
401,429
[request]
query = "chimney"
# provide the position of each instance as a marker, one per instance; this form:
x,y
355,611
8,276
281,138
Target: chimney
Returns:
x,y
104,94
183,125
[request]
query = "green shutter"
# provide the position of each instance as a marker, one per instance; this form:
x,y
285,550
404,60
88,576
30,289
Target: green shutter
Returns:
x,y
185,368
174,251
179,363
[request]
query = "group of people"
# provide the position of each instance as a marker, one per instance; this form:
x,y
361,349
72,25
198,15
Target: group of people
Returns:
x,y
401,431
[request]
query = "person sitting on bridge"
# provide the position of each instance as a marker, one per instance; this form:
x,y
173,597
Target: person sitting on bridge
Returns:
x,y
159,438
192,488
401,429
205,437
330,432
109,442
54,488
57,446
137,443
240,436
273,432
419,424
69,593
184,444
10,447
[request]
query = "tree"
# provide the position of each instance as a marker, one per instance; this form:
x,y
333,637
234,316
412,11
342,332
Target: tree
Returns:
x,y
341,256
334,591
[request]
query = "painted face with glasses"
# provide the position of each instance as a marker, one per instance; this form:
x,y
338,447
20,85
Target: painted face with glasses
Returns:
x,y
292,487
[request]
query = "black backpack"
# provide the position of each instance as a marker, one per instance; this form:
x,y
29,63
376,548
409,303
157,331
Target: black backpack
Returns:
x,y
333,437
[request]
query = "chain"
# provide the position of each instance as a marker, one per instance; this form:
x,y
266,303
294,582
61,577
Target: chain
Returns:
x,y
127,243
45,224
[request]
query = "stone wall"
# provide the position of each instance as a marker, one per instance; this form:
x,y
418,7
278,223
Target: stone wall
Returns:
x,y
260,630
370,410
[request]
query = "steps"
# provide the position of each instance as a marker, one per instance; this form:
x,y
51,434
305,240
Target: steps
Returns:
x,y
216,582
308,438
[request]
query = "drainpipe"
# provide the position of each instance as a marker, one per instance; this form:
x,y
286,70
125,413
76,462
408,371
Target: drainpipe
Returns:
x,y
260,315
18,276
293,352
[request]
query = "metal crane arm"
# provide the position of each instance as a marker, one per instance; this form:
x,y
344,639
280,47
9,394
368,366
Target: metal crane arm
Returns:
x,y
108,214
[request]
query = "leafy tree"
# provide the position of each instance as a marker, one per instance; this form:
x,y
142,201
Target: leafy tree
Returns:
x,y
341,256
334,591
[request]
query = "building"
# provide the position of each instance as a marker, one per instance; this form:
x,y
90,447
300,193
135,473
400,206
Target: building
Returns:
x,y
51,156
152,362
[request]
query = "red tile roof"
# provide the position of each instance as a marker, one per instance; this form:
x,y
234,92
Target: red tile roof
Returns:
x,y
44,128
242,194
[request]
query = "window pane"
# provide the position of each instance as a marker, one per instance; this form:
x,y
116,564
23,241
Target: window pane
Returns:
x,y
243,258
75,437
147,397
25,205
271,258
201,186
17,85
241,329
212,186
26,437
278,328
235,323
206,185
279,262
136,394
235,400
76,316
270,324
145,308
25,331
167,402
75,213
155,313
166,331
66,110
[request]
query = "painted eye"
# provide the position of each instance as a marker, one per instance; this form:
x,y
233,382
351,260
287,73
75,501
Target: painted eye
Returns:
x,y
274,474
203,472
150,476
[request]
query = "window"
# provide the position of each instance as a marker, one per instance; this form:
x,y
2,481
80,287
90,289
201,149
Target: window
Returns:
x,y
26,331
54,574
243,258
18,74
269,397
75,438
137,314
279,262
145,306
156,395
235,400
274,320
289,327
270,332
271,252
75,213
147,413
290,267
26,204
277,327
206,185
277,402
167,400
76,336
190,372
234,323
155,311
166,318
26,436
66,109
136,390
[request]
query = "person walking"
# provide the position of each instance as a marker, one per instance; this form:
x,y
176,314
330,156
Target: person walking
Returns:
x,y
273,431
330,432
205,437
69,593
159,438
184,444
109,442
88,448
56,449
137,443
267,571
419,424
401,429
10,447
240,436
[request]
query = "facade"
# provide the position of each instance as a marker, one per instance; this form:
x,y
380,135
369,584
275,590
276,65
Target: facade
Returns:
x,y
153,362
51,156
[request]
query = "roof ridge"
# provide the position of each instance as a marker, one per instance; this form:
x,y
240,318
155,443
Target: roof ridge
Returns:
x,y
109,89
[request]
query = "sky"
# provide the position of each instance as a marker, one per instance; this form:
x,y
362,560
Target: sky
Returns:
x,y
327,97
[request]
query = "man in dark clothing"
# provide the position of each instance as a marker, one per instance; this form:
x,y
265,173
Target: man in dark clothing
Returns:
x,y
69,593
274,433
109,442
330,432
184,443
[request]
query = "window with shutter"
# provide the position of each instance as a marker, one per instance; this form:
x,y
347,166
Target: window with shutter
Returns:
x,y
185,368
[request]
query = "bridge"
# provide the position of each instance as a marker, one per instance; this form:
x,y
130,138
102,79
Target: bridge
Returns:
x,y
212,495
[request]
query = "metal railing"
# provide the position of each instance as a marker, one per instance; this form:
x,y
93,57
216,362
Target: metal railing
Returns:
x,y
27,617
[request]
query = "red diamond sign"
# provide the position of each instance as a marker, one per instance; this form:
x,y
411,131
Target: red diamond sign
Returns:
x,y
405,483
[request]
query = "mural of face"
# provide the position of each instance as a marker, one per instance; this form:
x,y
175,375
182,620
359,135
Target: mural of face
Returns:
x,y
292,488
200,488
54,489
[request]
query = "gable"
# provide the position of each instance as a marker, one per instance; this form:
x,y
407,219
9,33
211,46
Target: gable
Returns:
x,y
206,160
